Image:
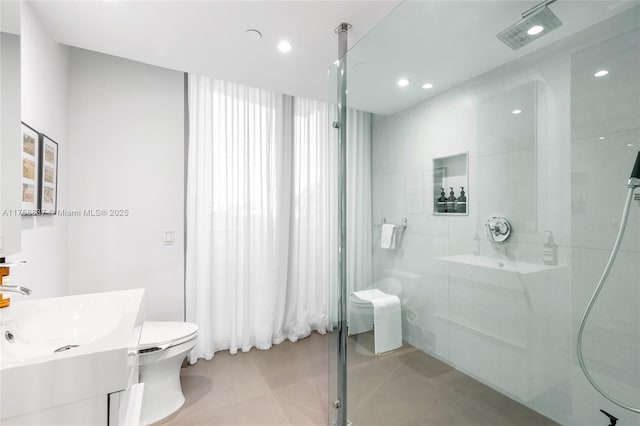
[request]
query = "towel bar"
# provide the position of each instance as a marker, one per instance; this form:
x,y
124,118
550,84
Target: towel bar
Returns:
x,y
383,221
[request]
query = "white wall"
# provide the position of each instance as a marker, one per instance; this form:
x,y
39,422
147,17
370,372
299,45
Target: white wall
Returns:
x,y
10,151
126,137
516,331
451,308
44,68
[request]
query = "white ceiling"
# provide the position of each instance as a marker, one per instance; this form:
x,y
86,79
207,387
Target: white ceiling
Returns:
x,y
448,42
207,37
442,42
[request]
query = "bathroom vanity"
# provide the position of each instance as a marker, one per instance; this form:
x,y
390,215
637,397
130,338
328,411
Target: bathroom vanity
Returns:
x,y
500,307
71,360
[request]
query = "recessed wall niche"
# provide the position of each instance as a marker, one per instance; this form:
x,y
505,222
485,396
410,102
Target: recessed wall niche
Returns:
x,y
451,185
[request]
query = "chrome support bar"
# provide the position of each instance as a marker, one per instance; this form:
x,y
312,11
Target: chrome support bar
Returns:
x,y
341,403
384,221
537,7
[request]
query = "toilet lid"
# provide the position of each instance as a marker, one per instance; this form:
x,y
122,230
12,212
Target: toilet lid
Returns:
x,y
166,333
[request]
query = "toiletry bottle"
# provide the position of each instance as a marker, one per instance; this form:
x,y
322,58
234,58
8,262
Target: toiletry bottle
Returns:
x,y
442,202
462,201
451,201
550,251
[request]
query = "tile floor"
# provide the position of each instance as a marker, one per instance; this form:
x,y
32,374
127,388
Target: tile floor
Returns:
x,y
288,385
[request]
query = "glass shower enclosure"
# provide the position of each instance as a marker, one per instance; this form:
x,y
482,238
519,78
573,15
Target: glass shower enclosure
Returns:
x,y
498,138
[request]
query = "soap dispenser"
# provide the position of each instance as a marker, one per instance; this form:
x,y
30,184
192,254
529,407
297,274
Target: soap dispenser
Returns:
x,y
451,201
550,251
462,201
442,202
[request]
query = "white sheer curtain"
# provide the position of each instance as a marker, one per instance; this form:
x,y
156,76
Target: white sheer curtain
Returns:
x,y
359,222
261,216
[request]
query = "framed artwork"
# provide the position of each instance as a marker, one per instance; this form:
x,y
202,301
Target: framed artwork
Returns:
x,y
48,187
30,168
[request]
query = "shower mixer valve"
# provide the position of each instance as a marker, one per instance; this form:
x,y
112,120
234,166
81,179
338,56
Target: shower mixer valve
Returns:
x,y
498,229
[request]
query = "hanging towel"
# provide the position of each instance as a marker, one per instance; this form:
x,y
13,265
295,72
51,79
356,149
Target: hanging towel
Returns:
x,y
388,236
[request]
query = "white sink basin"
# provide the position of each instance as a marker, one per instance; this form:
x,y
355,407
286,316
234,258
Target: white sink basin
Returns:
x,y
95,335
519,266
511,274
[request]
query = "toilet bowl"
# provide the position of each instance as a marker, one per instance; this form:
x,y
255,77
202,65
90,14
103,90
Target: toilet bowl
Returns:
x,y
162,348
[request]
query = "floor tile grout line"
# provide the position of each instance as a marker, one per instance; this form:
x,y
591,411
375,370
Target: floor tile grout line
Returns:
x,y
460,399
262,376
296,403
280,407
246,398
383,381
273,390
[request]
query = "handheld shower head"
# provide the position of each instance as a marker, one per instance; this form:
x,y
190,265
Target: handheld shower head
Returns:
x,y
535,23
635,173
634,179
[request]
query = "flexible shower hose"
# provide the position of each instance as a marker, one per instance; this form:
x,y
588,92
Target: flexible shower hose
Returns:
x,y
594,297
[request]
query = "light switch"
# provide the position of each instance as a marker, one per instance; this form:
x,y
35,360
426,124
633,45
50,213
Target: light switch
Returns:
x,y
169,237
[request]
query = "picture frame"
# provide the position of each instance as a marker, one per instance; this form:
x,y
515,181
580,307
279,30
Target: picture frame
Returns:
x,y
30,158
48,187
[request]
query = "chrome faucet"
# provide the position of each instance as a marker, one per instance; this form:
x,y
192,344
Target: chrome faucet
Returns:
x,y
15,289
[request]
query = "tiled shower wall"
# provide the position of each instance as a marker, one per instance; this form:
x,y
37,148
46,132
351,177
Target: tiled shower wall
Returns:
x,y
495,311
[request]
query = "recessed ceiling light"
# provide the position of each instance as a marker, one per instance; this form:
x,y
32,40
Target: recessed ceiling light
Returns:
x,y
602,138
284,46
516,111
253,35
536,29
427,86
403,82
629,144
601,73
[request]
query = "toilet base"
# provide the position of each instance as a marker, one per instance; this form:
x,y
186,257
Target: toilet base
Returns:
x,y
162,389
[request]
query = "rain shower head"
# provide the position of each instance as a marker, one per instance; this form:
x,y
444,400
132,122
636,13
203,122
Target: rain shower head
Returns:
x,y
535,23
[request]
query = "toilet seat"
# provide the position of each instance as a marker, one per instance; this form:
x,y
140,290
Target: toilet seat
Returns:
x,y
166,334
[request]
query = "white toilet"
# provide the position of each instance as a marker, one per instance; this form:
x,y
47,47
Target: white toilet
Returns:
x,y
162,348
